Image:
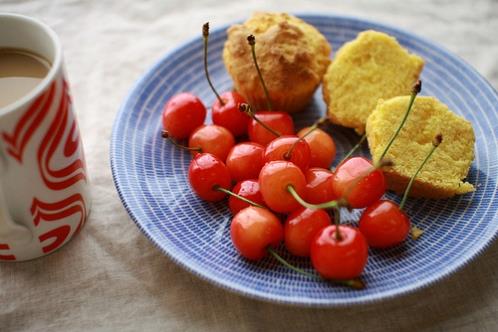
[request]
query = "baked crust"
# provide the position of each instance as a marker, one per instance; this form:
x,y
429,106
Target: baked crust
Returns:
x,y
292,56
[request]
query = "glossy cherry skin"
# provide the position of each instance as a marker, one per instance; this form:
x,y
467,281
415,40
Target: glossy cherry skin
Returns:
x,y
300,229
322,147
274,179
279,121
228,114
280,146
362,193
212,139
205,172
253,230
245,160
182,114
339,259
384,225
248,189
319,186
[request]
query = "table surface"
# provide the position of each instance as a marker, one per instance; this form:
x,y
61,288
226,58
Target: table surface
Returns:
x,y
111,277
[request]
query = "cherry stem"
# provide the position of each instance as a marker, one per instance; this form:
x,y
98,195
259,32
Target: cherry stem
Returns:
x,y
415,91
327,205
228,192
205,35
337,221
288,154
362,139
246,108
435,143
353,283
252,42
166,135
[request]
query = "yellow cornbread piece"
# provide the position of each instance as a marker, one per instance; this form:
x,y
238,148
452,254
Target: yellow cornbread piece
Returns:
x,y
443,174
291,54
368,68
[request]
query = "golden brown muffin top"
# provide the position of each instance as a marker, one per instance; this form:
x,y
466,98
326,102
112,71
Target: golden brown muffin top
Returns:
x,y
290,52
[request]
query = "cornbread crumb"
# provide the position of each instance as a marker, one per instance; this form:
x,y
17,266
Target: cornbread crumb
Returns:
x,y
291,54
368,68
443,174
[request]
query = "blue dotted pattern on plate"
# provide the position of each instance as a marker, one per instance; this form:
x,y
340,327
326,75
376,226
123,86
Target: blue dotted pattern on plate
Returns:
x,y
151,178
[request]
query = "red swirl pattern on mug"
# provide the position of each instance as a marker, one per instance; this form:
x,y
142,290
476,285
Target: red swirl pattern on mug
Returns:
x,y
53,212
65,177
4,257
28,124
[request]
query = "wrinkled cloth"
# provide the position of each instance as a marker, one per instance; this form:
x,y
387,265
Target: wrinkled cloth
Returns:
x,y
110,277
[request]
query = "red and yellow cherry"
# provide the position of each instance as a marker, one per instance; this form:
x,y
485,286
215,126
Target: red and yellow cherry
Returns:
x,y
248,189
212,139
358,182
384,225
300,229
290,148
245,161
279,121
321,145
342,257
255,229
182,114
319,186
228,115
205,173
274,179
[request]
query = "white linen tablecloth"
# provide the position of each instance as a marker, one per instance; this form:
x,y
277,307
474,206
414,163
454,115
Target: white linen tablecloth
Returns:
x,y
110,277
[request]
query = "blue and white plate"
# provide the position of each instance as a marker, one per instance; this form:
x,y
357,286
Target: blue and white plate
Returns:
x,y
151,178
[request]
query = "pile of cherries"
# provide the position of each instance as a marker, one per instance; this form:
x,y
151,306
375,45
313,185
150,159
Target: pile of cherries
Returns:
x,y
271,174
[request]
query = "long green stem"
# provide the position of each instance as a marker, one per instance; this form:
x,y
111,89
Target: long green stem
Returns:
x,y
415,91
246,108
228,192
362,139
165,134
326,205
205,35
252,42
435,144
353,283
288,265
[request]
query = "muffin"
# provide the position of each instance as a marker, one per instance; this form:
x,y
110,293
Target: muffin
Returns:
x,y
370,67
444,174
291,54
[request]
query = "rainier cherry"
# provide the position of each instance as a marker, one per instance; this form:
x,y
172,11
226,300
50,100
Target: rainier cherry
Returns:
x,y
301,227
248,189
207,174
274,179
182,114
358,182
245,160
384,223
339,252
322,146
255,229
289,148
225,110
319,186
211,139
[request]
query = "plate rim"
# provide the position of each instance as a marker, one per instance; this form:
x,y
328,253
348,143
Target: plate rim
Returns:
x,y
280,299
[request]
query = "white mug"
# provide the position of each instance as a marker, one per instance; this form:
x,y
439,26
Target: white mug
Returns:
x,y
44,190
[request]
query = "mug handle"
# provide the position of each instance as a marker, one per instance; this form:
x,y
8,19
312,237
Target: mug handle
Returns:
x,y
10,230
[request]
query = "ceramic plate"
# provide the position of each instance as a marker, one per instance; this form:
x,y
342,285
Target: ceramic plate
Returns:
x,y
151,177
